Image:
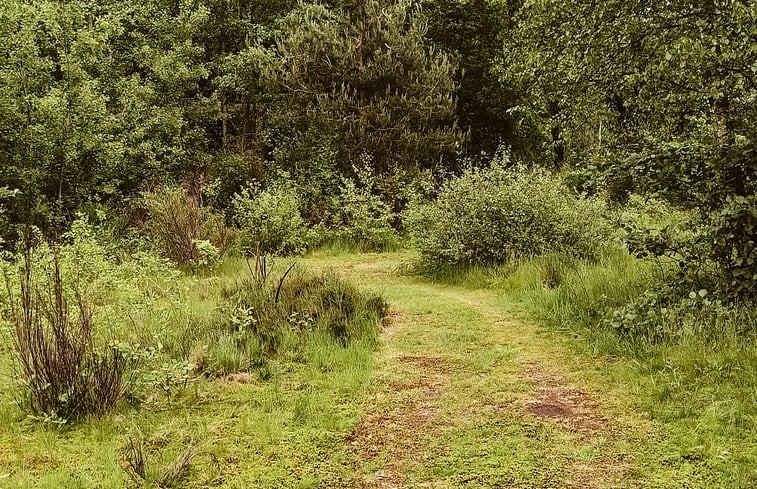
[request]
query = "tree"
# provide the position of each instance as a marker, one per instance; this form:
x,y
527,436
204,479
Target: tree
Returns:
x,y
475,32
364,77
96,100
656,98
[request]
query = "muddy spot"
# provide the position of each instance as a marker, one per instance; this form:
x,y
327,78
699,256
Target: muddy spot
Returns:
x,y
549,410
392,318
240,378
424,361
571,408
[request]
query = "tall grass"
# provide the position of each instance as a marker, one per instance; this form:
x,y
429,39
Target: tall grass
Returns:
x,y
274,315
576,296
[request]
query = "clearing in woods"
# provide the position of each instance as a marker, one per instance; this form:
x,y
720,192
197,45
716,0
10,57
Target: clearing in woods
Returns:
x,y
461,391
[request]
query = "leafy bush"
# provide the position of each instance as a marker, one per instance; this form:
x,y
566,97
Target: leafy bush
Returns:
x,y
270,220
497,215
177,222
662,317
363,221
625,303
714,252
649,226
138,308
733,235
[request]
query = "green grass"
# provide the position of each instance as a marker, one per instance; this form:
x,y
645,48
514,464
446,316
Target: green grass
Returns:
x,y
441,401
281,432
698,379
283,424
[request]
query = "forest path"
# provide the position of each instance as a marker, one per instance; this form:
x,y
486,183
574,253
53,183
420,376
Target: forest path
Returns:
x,y
466,395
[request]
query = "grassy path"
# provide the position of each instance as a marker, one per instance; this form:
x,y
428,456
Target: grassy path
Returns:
x,y
468,396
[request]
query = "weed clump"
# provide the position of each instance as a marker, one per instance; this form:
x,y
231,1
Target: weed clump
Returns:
x,y
281,314
182,229
141,462
64,374
270,220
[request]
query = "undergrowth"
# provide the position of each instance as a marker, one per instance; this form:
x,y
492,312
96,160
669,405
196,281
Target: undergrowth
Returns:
x,y
279,314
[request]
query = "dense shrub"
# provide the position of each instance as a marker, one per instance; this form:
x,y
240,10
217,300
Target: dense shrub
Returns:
x,y
364,221
733,237
5,226
714,251
182,229
493,216
270,220
108,311
648,226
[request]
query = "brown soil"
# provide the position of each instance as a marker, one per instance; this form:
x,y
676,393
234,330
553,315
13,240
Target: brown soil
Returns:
x,y
391,318
394,433
239,378
574,410
571,408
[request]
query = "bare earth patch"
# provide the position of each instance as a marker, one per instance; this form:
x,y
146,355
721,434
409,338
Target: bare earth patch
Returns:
x,y
575,411
239,378
392,317
571,408
395,434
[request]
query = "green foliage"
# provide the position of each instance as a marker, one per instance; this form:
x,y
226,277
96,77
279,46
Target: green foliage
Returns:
x,y
64,371
361,79
5,225
498,215
649,226
473,32
364,220
97,101
734,247
656,99
273,316
270,220
361,219
651,75
182,229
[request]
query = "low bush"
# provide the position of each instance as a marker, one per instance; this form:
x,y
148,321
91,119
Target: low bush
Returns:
x,y
65,373
270,220
366,220
280,314
648,226
575,295
498,215
626,302
91,319
733,239
363,222
182,229
714,252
